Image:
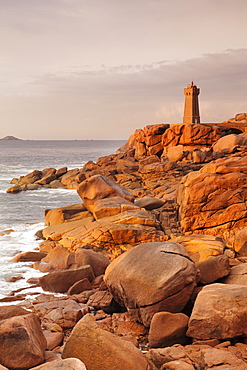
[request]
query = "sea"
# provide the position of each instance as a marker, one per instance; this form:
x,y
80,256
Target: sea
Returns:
x,y
22,214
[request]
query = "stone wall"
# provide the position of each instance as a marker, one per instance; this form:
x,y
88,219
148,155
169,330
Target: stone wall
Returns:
x,y
239,122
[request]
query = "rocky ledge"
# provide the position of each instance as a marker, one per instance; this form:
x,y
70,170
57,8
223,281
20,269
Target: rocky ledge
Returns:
x,y
150,267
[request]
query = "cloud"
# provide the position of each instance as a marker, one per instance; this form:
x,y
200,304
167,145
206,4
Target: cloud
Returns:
x,y
100,69
112,102
214,72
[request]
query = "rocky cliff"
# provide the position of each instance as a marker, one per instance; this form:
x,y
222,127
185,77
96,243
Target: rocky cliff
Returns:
x,y
156,251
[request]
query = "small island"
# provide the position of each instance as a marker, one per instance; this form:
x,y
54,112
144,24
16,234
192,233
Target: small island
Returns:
x,y
10,138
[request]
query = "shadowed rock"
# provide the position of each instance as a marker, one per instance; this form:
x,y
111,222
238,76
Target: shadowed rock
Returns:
x,y
22,342
61,281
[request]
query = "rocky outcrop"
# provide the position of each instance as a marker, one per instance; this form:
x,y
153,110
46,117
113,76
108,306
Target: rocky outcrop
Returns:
x,y
112,235
239,122
99,349
64,214
129,203
212,200
201,247
137,279
193,135
157,139
111,206
100,187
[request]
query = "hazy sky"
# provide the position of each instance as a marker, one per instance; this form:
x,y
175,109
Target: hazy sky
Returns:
x,y
99,69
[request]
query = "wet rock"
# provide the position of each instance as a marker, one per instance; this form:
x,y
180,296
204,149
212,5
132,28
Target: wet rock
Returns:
x,y
6,232
14,189
32,187
13,279
29,257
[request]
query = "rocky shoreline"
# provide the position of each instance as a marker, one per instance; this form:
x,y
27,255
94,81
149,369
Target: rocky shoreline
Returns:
x,y
149,270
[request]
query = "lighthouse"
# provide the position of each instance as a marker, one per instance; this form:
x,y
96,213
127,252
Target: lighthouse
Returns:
x,y
191,104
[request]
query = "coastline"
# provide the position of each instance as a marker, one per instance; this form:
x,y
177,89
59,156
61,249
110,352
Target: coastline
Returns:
x,y
137,207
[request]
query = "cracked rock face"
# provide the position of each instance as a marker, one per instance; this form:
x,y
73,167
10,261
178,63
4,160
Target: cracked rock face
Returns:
x,y
219,312
213,200
152,277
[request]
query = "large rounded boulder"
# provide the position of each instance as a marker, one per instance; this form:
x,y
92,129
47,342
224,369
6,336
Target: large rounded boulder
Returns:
x,y
152,277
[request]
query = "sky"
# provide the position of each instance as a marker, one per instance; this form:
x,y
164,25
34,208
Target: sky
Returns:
x,y
99,69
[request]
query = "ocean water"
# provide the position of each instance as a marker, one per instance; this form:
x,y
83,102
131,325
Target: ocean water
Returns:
x,y
23,213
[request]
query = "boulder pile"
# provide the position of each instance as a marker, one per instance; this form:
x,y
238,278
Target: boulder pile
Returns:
x,y
148,270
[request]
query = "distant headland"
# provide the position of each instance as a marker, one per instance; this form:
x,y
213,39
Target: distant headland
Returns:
x,y
10,138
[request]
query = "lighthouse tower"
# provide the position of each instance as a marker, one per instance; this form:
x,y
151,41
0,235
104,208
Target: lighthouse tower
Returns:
x,y
191,104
